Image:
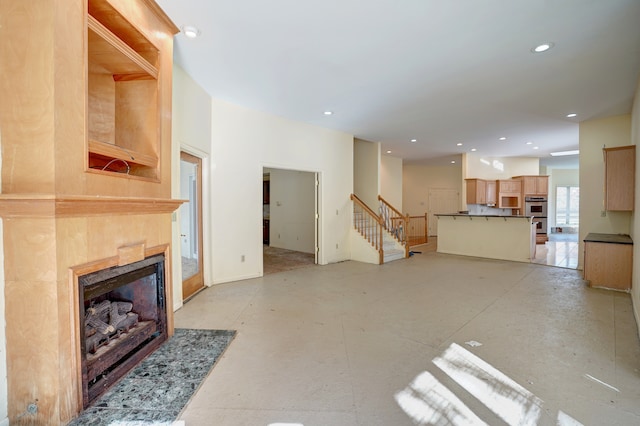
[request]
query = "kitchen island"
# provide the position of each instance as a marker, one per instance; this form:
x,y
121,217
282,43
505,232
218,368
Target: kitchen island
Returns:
x,y
489,236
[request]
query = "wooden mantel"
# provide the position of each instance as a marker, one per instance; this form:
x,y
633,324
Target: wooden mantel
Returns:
x,y
42,205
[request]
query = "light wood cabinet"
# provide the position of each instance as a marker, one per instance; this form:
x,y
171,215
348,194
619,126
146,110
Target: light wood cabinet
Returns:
x,y
509,193
476,191
534,185
480,191
492,195
620,169
608,261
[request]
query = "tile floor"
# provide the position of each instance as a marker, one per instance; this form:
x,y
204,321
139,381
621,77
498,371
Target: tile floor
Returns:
x,y
344,344
561,250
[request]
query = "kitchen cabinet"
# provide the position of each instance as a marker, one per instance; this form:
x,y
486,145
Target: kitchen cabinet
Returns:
x,y
480,191
608,260
620,169
476,191
534,185
492,195
509,193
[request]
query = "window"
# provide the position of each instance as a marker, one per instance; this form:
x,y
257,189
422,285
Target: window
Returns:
x,y
567,205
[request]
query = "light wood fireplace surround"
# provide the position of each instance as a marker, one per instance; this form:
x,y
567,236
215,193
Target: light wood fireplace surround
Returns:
x,y
85,130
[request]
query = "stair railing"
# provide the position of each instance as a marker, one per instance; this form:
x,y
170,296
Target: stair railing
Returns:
x,y
369,225
417,230
395,223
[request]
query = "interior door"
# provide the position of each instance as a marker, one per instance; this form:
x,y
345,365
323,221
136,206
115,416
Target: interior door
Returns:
x,y
191,224
441,201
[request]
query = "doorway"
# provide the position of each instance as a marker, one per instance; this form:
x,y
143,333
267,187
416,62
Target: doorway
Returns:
x,y
191,224
290,208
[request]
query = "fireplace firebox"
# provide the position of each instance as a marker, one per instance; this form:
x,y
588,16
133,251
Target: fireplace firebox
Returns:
x,y
122,320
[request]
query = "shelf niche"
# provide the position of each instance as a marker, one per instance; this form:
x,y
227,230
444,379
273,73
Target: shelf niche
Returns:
x,y
123,101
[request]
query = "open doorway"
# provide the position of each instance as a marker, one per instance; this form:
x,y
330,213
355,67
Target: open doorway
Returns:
x,y
290,207
191,224
562,248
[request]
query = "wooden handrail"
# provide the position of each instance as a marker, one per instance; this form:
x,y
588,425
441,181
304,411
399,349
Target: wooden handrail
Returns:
x,y
396,211
361,203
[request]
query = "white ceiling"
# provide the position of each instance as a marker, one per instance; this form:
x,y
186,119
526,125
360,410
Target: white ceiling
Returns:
x,y
440,71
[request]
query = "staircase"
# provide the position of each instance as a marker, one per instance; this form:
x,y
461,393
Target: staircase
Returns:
x,y
373,240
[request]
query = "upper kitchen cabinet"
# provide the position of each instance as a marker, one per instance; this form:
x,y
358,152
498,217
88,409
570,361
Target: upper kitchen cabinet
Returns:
x,y
534,185
480,191
509,193
476,191
125,86
619,170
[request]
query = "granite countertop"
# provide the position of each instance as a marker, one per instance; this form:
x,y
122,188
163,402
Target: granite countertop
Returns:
x,y
608,238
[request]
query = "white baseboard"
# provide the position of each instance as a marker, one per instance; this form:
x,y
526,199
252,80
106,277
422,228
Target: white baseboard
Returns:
x,y
4,422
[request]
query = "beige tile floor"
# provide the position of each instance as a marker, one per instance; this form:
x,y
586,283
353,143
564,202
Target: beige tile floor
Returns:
x,y
561,250
341,344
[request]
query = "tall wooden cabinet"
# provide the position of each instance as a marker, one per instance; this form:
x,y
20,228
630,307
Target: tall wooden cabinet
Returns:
x,y
620,171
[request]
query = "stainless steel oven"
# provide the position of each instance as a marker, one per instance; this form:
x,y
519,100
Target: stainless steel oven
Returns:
x,y
541,225
537,207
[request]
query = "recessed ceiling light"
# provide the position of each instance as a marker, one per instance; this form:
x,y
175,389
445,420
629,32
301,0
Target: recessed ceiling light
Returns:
x,y
473,150
328,113
453,161
573,114
414,140
543,47
459,144
529,143
388,152
535,147
562,153
502,139
190,31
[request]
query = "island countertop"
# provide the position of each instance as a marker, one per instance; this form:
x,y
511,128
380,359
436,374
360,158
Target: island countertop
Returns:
x,y
484,215
488,236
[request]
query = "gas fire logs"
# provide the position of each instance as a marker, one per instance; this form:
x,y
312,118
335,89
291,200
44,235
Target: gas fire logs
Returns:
x,y
105,320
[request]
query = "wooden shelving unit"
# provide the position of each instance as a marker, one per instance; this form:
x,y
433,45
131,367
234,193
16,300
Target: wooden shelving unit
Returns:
x,y
123,108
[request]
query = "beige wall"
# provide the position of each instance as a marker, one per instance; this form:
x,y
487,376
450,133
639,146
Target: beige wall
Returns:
x,y
480,167
366,168
594,135
191,132
417,179
292,210
391,180
244,142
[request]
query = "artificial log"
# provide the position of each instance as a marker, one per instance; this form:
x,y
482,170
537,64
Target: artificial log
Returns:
x,y
106,320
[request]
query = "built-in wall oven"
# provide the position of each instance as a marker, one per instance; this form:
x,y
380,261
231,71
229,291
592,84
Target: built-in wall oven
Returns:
x,y
537,207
